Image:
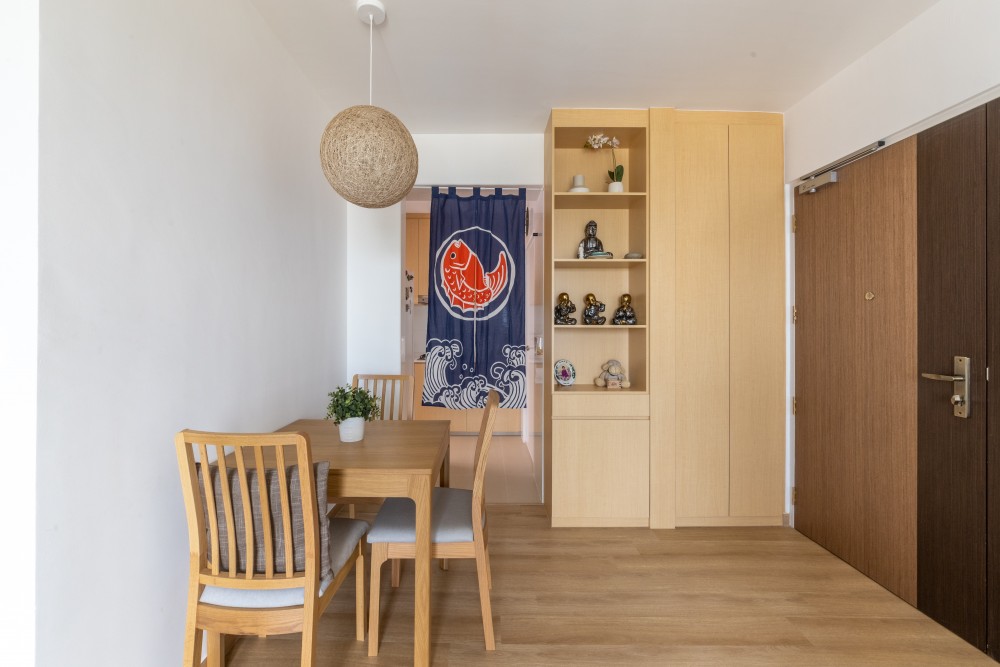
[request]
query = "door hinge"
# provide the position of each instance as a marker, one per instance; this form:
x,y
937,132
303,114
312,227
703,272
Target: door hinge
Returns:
x,y
795,496
987,373
794,224
795,405
795,314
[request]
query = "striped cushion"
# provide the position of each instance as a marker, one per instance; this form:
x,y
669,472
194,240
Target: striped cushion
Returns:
x,y
344,536
322,471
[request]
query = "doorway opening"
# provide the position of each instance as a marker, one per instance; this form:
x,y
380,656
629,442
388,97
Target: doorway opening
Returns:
x,y
514,471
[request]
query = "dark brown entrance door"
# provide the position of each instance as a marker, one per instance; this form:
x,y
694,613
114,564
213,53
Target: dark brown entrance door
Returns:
x,y
993,398
951,478
897,472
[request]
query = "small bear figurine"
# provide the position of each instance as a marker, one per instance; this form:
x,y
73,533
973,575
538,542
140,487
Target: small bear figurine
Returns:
x,y
612,376
624,314
563,309
592,311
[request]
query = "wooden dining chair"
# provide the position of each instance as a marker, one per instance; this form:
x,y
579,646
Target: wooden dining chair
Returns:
x,y
394,394
264,557
395,400
458,530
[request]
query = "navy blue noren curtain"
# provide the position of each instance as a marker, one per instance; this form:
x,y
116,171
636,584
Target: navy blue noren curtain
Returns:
x,y
475,318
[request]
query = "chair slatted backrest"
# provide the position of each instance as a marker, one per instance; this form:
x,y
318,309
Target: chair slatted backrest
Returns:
x,y
395,394
482,452
208,462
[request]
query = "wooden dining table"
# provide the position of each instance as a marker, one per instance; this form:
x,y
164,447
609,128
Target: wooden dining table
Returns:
x,y
402,459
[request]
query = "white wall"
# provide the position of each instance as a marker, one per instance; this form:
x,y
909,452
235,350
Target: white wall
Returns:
x,y
947,56
374,290
191,271
480,159
19,38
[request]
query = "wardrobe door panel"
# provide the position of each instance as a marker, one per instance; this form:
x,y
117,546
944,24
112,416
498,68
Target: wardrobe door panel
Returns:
x,y
702,218
757,322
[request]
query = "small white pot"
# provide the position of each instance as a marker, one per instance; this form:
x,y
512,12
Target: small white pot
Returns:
x,y
616,186
352,429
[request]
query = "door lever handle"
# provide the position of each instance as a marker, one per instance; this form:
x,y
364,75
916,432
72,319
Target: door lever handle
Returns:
x,y
960,397
943,378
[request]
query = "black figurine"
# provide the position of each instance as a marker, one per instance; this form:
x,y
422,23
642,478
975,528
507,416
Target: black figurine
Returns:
x,y
592,311
563,309
591,246
624,314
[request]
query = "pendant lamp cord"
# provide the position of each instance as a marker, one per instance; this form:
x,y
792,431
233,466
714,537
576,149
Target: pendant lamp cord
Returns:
x,y
371,31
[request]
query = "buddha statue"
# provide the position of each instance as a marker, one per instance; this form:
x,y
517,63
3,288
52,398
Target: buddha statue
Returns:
x,y
592,311
591,246
563,309
624,313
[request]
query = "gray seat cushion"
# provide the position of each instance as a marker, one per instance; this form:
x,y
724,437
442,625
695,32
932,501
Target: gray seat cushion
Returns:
x,y
451,518
277,538
344,536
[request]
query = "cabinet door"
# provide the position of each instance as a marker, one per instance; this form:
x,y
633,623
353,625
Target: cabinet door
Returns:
x,y
756,323
730,323
412,260
702,253
600,472
423,254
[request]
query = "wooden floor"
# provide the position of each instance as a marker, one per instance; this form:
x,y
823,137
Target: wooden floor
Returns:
x,y
510,474
694,596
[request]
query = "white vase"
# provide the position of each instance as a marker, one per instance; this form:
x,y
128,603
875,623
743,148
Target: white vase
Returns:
x,y
616,186
352,429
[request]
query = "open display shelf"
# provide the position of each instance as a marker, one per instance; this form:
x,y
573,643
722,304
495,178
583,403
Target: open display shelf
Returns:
x,y
596,434
622,228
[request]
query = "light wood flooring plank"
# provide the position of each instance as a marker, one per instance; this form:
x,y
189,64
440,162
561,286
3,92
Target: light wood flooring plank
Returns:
x,y
591,596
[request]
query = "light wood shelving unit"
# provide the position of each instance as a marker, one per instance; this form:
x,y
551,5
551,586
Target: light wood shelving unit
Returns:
x,y
699,437
598,443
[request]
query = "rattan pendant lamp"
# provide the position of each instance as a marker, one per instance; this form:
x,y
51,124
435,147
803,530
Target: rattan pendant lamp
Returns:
x,y
367,154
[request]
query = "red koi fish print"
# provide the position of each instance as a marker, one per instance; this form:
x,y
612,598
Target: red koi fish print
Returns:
x,y
464,280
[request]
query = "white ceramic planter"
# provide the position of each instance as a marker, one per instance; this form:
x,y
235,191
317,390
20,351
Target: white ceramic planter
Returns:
x,y
352,430
616,186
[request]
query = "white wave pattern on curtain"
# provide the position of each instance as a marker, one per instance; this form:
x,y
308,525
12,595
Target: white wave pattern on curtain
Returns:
x,y
509,378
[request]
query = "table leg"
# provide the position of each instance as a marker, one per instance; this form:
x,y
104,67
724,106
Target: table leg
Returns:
x,y
420,492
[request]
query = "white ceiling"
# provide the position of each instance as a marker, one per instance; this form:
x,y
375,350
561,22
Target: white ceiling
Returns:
x,y
498,66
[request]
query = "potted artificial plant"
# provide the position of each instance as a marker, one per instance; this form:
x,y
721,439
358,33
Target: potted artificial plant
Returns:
x,y
350,408
617,171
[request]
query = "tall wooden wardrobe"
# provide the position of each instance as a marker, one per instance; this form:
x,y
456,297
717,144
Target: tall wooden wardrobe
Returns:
x,y
898,302
698,438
